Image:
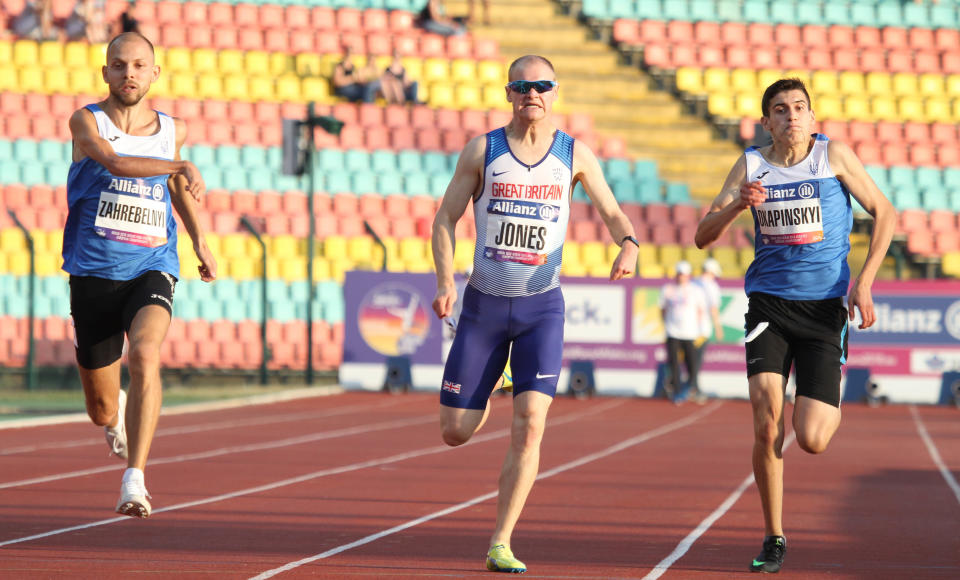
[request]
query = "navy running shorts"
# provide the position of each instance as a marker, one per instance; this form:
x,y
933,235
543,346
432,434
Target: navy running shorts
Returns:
x,y
487,327
103,311
810,335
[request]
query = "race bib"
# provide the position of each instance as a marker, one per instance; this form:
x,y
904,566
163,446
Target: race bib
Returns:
x,y
131,219
519,231
791,215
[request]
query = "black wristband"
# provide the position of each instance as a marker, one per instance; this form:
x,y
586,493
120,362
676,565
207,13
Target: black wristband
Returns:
x,y
630,239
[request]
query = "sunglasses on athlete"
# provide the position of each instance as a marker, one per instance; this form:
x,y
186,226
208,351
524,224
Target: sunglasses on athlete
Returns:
x,y
523,87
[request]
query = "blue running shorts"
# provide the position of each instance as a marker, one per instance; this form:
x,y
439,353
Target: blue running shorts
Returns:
x,y
488,324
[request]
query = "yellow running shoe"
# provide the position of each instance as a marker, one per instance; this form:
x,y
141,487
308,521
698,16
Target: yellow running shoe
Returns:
x,y
500,559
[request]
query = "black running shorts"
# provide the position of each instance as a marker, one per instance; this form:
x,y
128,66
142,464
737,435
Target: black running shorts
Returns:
x,y
103,311
811,335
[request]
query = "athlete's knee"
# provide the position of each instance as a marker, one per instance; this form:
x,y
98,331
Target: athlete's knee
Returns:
x,y
767,433
102,411
144,358
528,429
454,436
813,442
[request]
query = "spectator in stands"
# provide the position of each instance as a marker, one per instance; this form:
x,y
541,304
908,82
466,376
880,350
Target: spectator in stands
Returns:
x,y
433,18
799,191
123,269
513,304
471,15
36,21
684,309
88,21
128,20
396,87
353,82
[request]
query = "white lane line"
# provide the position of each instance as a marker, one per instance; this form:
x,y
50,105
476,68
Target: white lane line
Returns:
x,y
935,454
643,437
358,430
291,395
186,430
317,474
684,546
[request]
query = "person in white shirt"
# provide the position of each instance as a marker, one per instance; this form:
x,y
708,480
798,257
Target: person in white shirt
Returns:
x,y
684,308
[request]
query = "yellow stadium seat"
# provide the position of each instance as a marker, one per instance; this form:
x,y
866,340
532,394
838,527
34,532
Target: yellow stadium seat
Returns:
x,y
462,69
689,80
743,80
335,248
744,258
724,254
54,239
178,59
884,107
828,108
47,263
204,60
26,52
878,83
716,79
931,85
803,75
307,64
950,264
183,86
161,87
905,84
56,80
824,82
593,253
652,270
3,263
360,248
242,267
281,63
670,254
97,55
321,269
412,250
286,246
6,52
856,107
956,110
287,88
315,90
209,86
748,105
12,240
8,78
85,82
598,270
436,69
51,53
413,66
495,96
768,76
937,109
30,80
18,263
256,62
570,253
491,71
721,105
952,85
230,62
160,57
574,269
260,88
851,82
468,96
232,245
328,62
647,253
293,268
235,87
911,108
339,268
463,255
441,95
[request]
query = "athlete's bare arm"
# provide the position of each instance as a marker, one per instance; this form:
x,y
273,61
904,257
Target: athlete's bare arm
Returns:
x,y
736,195
87,142
586,170
849,170
186,207
463,187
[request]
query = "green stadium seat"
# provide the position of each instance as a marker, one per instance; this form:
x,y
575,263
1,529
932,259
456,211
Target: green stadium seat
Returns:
x,y
225,155
617,169
888,14
408,161
434,162
863,15
281,310
907,197
383,160
363,182
357,160
645,169
200,155
330,160
337,181
253,156
928,177
729,11
783,12
438,184
32,173
51,151
808,13
677,193
624,189
943,15
415,184
951,177
259,178
836,13
234,177
900,176
25,150
935,198
701,10
390,182
756,11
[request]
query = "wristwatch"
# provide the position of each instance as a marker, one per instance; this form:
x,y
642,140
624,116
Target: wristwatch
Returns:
x,y
630,239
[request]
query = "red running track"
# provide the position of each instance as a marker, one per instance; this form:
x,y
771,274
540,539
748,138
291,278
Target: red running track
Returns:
x,y
358,485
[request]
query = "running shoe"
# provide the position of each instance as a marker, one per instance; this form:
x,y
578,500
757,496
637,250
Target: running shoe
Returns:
x,y
117,435
771,558
500,559
133,500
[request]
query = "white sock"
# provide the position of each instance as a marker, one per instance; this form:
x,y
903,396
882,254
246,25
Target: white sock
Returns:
x,y
132,474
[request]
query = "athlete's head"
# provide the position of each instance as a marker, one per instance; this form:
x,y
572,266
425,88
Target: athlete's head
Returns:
x,y
531,100
786,110
130,68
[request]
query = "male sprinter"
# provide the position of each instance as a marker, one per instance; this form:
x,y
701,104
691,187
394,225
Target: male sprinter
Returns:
x,y
120,249
798,189
520,179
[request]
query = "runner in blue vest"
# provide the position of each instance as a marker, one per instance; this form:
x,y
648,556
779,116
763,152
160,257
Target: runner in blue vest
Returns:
x,y
120,249
520,179
798,190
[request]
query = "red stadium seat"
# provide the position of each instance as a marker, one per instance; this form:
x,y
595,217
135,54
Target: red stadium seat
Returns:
x,y
246,14
840,36
683,55
764,57
243,201
370,115
813,35
922,154
732,33
459,47
349,19
296,16
400,20
169,12
893,37
862,131
626,31
869,153
679,31
453,140
194,13
867,37
889,131
652,31
920,243
893,154
219,14
402,138
12,104
656,55
941,220
323,18
898,60
270,16
432,45
926,61
710,55
760,34
787,35
348,113
428,139
485,49
916,132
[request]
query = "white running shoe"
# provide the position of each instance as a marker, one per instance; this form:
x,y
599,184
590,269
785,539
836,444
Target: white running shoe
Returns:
x,y
133,500
117,435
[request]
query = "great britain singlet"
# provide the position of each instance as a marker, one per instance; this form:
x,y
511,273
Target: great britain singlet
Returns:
x,y
521,218
802,230
121,227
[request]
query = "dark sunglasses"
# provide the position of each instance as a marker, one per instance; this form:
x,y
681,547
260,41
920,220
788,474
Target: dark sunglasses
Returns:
x,y
523,87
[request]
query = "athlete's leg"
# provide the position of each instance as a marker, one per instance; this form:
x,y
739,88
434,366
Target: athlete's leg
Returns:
x,y
101,390
522,462
146,334
766,397
815,422
457,426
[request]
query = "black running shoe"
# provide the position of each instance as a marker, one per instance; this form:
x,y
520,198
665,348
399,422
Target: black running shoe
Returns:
x,y
771,558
